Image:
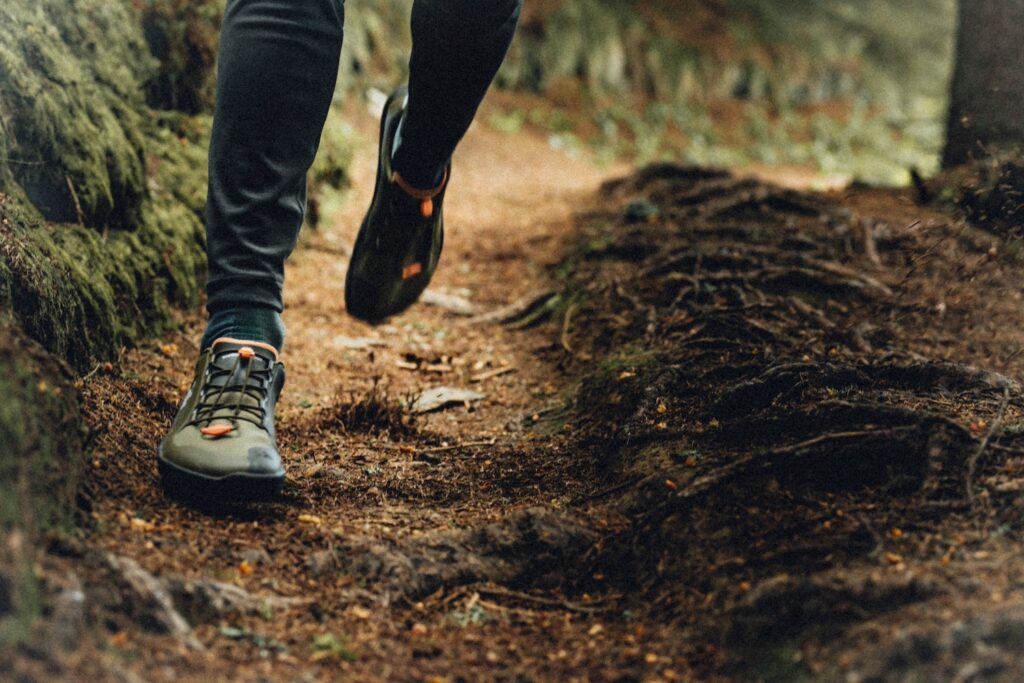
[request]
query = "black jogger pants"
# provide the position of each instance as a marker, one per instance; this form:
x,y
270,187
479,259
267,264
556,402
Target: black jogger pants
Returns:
x,y
276,75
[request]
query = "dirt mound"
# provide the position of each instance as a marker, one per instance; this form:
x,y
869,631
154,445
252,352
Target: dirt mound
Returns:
x,y
752,394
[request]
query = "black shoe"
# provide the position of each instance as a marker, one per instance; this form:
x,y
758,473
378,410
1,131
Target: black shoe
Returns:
x,y
400,240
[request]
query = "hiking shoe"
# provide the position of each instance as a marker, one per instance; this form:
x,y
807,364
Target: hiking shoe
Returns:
x,y
222,442
400,240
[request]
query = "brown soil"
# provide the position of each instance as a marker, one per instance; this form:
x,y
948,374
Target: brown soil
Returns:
x,y
743,440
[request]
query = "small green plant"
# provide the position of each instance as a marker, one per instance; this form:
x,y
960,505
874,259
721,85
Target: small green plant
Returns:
x,y
330,646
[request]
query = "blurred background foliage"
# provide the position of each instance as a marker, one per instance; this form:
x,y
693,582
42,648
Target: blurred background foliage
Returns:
x,y
854,88
850,87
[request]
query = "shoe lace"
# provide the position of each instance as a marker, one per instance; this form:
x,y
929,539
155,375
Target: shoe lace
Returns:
x,y
228,401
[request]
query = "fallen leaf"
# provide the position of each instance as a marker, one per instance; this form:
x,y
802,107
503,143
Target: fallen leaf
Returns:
x,y
310,519
442,397
142,524
449,302
357,343
361,612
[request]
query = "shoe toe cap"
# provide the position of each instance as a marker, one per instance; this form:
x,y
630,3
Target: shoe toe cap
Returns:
x,y
224,456
263,460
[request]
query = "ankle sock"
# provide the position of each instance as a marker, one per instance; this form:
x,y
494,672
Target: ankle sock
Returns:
x,y
251,324
420,178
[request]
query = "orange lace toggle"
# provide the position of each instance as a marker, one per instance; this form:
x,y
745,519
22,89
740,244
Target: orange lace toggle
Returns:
x,y
412,270
217,431
426,197
246,352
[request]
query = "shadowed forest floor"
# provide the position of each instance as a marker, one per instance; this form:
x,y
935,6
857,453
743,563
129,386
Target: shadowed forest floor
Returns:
x,y
734,432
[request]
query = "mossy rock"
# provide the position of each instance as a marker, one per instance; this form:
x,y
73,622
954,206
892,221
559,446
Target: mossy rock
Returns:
x,y
83,295
70,108
41,465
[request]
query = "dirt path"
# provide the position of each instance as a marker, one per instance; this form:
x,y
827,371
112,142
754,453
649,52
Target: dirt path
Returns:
x,y
359,473
759,438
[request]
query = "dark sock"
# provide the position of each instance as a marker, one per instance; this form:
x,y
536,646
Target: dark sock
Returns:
x,y
251,324
419,176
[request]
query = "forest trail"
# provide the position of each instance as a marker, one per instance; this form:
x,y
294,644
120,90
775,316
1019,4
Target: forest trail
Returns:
x,y
747,433
355,470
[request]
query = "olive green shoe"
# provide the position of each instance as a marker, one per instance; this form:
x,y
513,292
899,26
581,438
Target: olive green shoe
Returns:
x,y
400,240
222,443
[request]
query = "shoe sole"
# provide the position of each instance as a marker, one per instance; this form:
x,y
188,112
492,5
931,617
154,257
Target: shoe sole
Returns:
x,y
184,483
410,289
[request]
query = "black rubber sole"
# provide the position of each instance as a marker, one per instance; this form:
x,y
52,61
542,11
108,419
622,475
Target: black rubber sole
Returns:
x,y
182,483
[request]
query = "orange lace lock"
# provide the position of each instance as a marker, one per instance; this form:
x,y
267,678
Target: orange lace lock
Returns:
x,y
246,352
412,270
426,197
217,431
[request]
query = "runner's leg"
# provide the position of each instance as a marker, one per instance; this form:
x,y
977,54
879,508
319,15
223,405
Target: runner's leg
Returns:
x,y
276,74
458,46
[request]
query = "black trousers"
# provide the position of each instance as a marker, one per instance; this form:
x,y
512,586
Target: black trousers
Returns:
x,y
276,75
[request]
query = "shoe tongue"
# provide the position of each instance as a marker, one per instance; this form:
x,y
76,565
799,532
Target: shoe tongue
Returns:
x,y
230,355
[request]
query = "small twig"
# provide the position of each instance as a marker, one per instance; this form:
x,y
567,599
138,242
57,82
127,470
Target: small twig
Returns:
x,y
526,597
879,542
436,449
468,444
870,247
566,326
490,374
21,162
608,491
78,204
832,436
996,425
92,372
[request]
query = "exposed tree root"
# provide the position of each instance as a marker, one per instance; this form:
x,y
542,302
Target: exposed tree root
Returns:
x,y
528,548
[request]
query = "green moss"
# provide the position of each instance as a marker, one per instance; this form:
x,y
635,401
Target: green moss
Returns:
x,y
83,295
329,180
71,109
183,35
81,153
41,465
377,40
659,87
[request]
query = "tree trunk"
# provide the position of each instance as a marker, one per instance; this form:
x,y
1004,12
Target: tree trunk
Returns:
x,y
986,112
